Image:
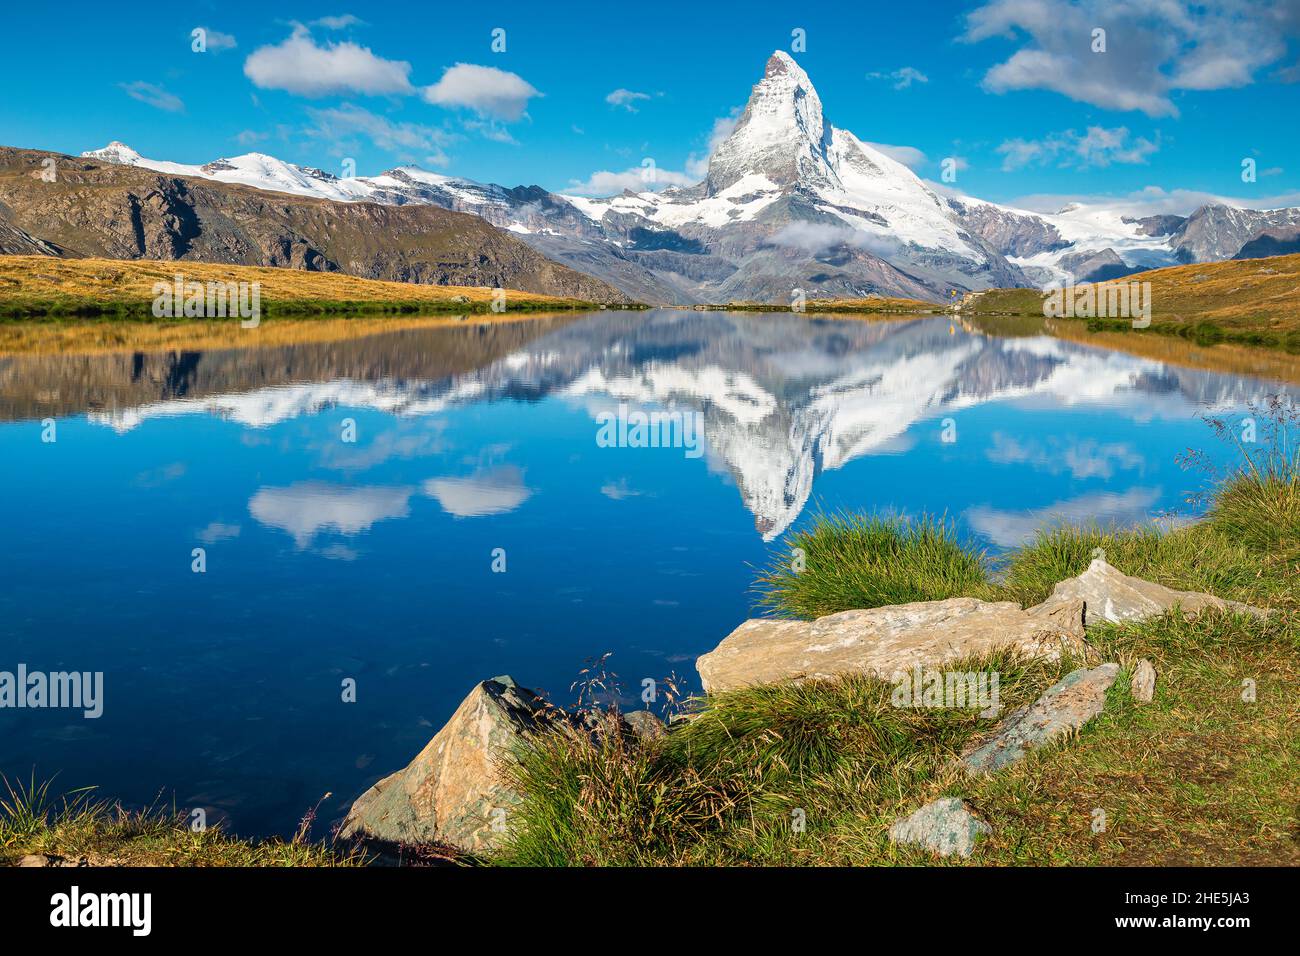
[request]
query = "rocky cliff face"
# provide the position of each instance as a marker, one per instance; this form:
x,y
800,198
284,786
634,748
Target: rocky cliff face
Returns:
x,y
1217,232
96,208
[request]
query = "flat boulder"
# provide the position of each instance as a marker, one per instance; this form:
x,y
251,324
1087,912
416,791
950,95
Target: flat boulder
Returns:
x,y
1062,709
945,827
1111,595
451,793
884,641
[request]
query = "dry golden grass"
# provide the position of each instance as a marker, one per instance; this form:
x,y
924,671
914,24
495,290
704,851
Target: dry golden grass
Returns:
x,y
117,335
1255,295
33,285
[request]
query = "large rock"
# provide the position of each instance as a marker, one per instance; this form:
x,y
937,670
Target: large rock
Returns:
x,y
1064,707
1111,595
452,792
945,826
884,641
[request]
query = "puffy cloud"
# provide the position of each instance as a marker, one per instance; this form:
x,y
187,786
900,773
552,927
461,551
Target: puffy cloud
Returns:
x,y
1151,49
491,492
154,96
1010,528
300,65
901,78
626,99
638,179
483,89
216,41
723,126
308,508
1098,146
909,156
341,22
814,238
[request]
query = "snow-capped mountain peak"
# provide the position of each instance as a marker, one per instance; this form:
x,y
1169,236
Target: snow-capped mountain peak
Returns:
x,y
781,135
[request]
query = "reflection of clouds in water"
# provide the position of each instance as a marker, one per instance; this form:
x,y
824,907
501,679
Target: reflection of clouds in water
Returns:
x,y
1009,529
1082,459
406,440
216,531
306,508
490,492
618,490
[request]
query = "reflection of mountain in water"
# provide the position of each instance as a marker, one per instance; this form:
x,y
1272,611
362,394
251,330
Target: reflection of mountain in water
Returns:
x,y
783,397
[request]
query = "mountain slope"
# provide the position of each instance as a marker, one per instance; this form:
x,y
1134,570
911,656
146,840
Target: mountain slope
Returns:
x,y
113,211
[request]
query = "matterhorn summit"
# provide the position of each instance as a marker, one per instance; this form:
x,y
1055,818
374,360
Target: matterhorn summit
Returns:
x,y
782,135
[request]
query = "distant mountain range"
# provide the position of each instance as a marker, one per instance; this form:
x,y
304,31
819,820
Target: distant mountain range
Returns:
x,y
789,202
97,209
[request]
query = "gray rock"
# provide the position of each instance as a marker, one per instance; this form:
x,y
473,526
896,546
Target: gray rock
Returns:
x,y
646,725
1062,709
885,641
1111,595
945,827
1143,684
452,792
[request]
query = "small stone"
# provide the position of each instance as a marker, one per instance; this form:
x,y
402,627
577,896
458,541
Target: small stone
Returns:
x,y
1143,684
944,826
646,725
1062,709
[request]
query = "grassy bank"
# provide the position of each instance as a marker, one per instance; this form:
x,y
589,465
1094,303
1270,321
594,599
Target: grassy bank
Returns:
x,y
43,287
77,829
868,306
1251,302
1201,775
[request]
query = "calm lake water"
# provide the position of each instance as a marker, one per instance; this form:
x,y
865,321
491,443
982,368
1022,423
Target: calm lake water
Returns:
x,y
373,559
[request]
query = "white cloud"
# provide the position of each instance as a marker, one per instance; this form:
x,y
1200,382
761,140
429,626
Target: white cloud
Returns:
x,y
1151,49
308,508
1153,201
815,238
1098,146
492,492
300,65
217,531
901,78
626,99
723,126
154,96
609,183
341,22
483,89
338,124
1010,529
909,156
216,41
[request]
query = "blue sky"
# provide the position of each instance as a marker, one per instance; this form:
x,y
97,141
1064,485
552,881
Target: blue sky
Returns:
x,y
1012,89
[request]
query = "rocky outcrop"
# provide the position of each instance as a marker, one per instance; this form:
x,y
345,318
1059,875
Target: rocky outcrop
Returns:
x,y
100,209
944,826
887,640
452,792
1062,709
1110,595
645,724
